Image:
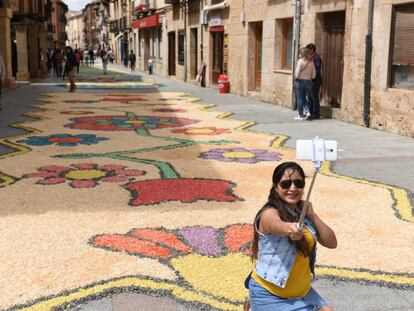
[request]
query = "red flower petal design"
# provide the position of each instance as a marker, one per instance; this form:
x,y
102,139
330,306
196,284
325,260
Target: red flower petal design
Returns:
x,y
130,173
83,183
55,168
131,245
51,181
162,237
84,166
238,236
115,179
185,190
43,174
111,167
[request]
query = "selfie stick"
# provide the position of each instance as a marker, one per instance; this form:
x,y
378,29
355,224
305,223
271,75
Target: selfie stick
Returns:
x,y
318,156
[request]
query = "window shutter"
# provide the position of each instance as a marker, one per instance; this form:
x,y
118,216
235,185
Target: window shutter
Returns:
x,y
403,51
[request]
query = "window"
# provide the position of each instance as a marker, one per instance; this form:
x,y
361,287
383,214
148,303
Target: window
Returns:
x,y
160,50
181,38
402,48
284,43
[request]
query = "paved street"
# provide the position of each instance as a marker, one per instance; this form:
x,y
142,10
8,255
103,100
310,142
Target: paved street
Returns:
x,y
105,203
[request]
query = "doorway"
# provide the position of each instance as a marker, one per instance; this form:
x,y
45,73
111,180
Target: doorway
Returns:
x,y
258,34
217,40
333,57
194,52
171,53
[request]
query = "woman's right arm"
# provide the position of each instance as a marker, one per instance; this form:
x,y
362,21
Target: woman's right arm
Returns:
x,y
270,222
298,69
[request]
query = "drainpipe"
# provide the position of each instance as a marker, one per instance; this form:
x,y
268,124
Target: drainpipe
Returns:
x,y
296,46
185,40
368,65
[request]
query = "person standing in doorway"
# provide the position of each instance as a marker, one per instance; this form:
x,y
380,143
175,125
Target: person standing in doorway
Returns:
x,y
304,73
70,65
2,74
150,66
132,59
314,99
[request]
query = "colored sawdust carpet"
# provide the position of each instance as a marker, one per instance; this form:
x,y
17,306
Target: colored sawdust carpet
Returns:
x,y
156,193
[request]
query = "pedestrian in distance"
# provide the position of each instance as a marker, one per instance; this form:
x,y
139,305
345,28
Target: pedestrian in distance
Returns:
x,y
314,99
132,59
105,60
70,66
150,66
78,59
304,73
91,57
285,284
2,75
86,57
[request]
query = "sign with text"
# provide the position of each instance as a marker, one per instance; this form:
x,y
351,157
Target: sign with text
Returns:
x,y
146,22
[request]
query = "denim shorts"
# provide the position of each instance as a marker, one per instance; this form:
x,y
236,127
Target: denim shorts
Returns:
x,y
262,300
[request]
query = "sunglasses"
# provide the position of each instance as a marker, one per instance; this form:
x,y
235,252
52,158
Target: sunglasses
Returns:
x,y
299,183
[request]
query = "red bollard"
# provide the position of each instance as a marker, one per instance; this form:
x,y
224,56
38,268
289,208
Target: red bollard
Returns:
x,y
224,84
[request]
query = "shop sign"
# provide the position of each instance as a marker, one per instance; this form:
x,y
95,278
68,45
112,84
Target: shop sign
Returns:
x,y
215,21
146,22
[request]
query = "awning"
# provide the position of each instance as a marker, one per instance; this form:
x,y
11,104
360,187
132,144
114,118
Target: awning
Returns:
x,y
146,22
217,6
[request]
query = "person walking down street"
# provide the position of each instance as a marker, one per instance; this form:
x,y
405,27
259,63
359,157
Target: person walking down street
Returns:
x,y
2,75
285,253
57,62
304,73
71,66
316,83
78,59
91,57
150,66
86,57
132,59
105,60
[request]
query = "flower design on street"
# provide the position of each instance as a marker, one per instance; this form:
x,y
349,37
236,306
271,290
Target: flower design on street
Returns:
x,y
241,155
201,131
65,140
81,101
123,99
77,112
186,190
127,122
85,175
168,110
213,261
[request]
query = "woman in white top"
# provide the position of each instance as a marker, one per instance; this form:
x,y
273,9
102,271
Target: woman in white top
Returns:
x,y
304,73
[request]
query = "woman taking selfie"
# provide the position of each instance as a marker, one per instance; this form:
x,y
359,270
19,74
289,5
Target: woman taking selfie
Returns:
x,y
284,254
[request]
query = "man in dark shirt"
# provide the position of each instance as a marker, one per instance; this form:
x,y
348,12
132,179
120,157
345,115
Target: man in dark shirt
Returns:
x,y
71,64
316,83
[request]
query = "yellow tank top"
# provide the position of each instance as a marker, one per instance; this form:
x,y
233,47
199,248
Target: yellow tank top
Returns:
x,y
299,281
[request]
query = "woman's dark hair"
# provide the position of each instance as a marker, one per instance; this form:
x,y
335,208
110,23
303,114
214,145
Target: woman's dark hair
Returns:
x,y
274,201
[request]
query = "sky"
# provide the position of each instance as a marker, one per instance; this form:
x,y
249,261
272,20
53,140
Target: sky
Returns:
x,y
76,5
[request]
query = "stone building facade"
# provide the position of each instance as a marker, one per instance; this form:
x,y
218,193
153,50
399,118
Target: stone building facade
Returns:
x,y
95,20
74,30
28,27
253,42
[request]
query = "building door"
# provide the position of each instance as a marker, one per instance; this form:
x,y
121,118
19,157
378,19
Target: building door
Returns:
x,y
171,53
194,52
333,58
258,55
218,40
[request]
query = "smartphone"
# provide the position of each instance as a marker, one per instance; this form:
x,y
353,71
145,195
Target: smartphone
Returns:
x,y
317,149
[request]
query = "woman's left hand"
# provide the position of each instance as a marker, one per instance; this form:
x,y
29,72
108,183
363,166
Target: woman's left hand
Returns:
x,y
310,213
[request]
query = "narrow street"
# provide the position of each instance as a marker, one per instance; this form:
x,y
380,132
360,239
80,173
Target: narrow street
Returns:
x,y
138,192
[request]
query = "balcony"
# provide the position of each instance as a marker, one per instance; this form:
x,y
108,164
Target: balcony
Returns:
x,y
113,26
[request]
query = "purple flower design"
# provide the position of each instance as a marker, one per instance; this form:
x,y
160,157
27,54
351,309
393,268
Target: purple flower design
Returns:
x,y
241,155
